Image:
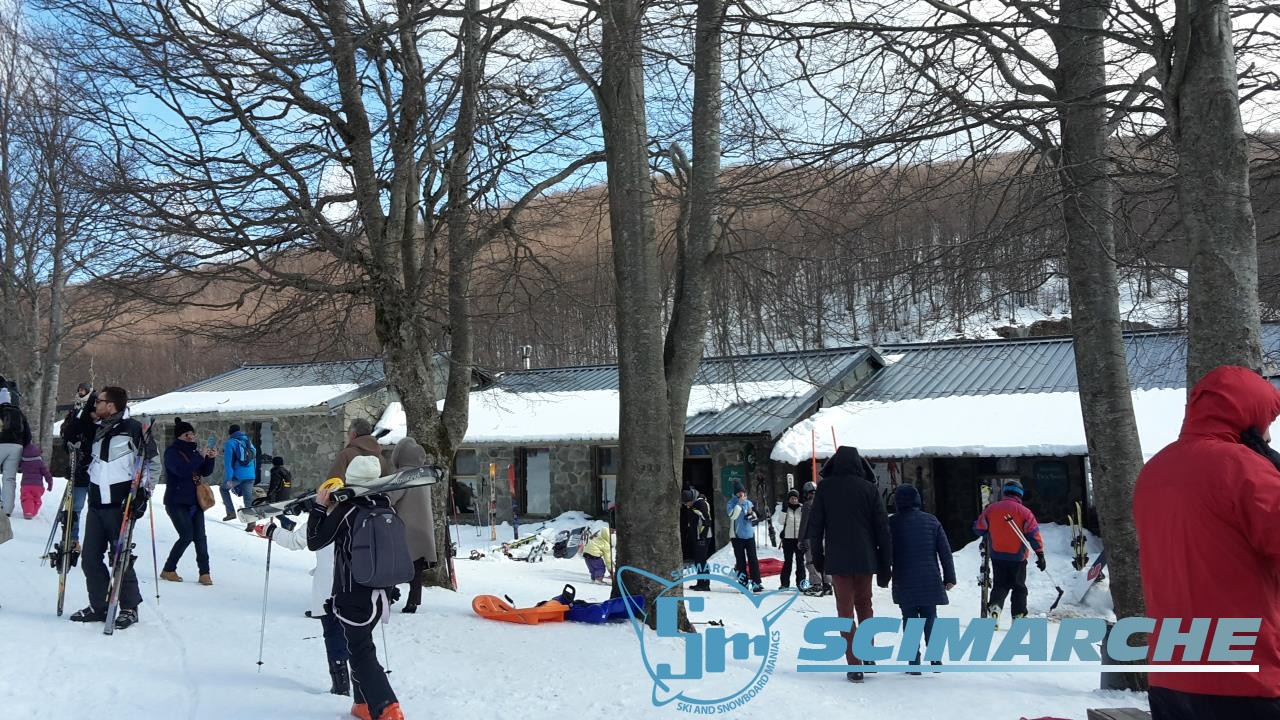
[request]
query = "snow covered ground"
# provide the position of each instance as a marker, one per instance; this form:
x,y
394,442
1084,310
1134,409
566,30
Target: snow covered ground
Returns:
x,y
193,655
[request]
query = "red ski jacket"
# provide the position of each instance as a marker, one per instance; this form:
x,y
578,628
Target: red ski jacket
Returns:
x,y
1207,510
1004,542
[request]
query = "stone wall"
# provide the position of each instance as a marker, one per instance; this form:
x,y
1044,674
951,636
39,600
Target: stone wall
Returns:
x,y
573,485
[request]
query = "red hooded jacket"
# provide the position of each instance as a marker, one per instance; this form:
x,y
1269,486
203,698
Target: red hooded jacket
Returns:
x,y
1207,510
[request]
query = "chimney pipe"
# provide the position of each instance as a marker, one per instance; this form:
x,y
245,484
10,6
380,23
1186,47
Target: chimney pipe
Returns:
x,y
526,353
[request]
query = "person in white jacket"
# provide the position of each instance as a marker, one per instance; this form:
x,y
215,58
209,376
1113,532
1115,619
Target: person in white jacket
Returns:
x,y
335,642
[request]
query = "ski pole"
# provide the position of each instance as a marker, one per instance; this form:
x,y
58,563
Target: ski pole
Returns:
x,y
1027,543
155,565
266,583
386,651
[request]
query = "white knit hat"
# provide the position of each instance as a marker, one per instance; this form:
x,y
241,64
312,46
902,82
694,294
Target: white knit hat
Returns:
x,y
363,470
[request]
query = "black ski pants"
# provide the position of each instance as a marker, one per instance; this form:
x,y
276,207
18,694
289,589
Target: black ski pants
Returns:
x,y
415,585
791,555
1169,704
360,613
101,528
1006,576
744,554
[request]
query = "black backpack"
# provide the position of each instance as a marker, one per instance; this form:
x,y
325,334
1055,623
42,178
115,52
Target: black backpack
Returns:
x,y
12,424
379,550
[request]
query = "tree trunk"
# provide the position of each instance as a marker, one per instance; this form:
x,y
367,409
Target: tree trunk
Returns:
x,y
1106,404
1223,323
648,490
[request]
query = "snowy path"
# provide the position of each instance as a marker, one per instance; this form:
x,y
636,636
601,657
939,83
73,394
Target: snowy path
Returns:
x,y
193,653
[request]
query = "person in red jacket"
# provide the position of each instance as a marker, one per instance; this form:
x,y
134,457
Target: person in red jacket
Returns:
x,y
1207,511
1008,553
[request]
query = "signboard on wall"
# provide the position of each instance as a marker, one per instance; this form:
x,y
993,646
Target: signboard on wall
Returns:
x,y
729,474
1051,479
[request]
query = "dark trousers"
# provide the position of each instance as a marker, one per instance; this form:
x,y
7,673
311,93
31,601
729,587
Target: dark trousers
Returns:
x,y
359,617
853,595
415,585
188,520
100,532
744,555
1006,576
929,613
335,642
791,555
1169,704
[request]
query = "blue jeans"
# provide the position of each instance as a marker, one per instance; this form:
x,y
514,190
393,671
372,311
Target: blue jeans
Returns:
x,y
243,488
929,613
78,497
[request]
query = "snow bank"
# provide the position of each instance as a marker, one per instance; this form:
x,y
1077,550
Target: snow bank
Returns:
x,y
501,416
228,401
985,425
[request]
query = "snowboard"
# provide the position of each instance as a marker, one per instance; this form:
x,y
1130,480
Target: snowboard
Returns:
x,y
402,480
1095,574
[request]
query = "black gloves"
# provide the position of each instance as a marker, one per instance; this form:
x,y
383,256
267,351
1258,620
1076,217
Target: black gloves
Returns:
x,y
1040,563
393,595
138,507
883,578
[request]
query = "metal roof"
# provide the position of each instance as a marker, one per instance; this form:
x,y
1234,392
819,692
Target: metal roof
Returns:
x,y
284,375
820,368
1156,359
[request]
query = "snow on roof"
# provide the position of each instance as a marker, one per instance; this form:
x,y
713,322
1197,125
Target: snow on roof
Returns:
x,y
984,425
227,401
501,416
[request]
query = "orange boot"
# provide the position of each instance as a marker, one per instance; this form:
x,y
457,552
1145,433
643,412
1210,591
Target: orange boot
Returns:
x,y
361,711
391,712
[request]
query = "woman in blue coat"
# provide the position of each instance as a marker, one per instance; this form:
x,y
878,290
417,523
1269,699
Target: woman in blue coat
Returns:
x,y
919,547
184,461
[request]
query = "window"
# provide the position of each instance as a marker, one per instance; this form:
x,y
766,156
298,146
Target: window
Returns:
x,y
607,460
537,481
466,470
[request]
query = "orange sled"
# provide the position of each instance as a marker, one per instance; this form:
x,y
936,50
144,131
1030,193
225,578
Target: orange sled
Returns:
x,y
493,607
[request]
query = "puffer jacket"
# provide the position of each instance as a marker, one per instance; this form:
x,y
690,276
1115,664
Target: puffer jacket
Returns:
x,y
1004,542
848,523
1207,511
238,442
601,546
791,522
34,469
919,546
182,462
363,445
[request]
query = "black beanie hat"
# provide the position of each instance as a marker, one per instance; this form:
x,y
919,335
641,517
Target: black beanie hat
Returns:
x,y
233,429
182,427
277,461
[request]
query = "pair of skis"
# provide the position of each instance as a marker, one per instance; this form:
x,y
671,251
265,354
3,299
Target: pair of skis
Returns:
x,y
57,550
1080,553
122,559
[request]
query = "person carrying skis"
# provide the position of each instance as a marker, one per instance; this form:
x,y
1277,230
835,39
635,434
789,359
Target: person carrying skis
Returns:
x,y
116,446
792,514
695,532
598,554
920,546
185,462
357,608
1207,512
849,534
15,434
239,471
742,518
35,477
820,585
1008,553
77,428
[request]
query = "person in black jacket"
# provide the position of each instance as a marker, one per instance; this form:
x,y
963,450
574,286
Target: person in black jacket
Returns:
x,y
695,533
115,447
920,546
184,461
356,607
848,534
280,486
77,427
15,434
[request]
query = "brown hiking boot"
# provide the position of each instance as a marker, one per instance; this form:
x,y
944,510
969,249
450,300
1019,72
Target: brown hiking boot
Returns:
x,y
205,579
171,576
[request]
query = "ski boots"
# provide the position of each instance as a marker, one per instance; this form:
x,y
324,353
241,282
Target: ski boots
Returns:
x,y
854,677
89,615
391,712
126,618
341,680
703,585
361,710
803,585
993,611
757,588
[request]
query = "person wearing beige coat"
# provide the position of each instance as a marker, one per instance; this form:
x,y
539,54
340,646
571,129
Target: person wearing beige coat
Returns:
x,y
415,510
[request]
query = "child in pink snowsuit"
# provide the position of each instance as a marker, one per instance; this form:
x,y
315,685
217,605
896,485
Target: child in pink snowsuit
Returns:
x,y
35,476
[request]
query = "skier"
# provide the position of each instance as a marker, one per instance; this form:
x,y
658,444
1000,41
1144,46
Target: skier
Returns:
x,y
820,585
742,517
15,434
849,534
1008,554
358,608
1207,509
360,442
919,546
792,516
335,642
280,481
184,462
115,446
598,554
415,510
80,418
695,532
35,477
239,471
